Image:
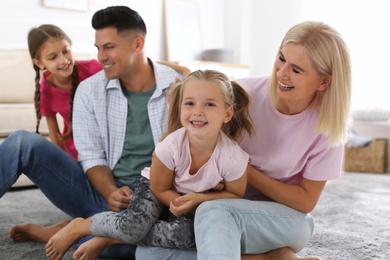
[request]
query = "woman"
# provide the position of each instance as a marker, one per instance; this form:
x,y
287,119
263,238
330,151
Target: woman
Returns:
x,y
300,117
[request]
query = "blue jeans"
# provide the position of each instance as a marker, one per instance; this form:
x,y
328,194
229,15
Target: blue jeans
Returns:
x,y
60,177
226,228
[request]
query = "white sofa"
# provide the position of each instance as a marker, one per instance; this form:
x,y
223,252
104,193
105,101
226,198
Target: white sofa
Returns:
x,y
16,96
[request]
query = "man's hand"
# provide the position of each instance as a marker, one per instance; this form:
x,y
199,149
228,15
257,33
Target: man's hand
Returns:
x,y
120,199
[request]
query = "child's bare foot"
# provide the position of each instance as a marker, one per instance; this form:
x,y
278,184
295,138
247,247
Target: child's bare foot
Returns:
x,y
35,232
284,253
92,248
60,242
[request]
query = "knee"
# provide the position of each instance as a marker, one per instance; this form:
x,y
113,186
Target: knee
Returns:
x,y
213,207
25,137
211,211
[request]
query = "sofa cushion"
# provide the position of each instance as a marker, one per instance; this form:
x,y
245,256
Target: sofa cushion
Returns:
x,y
17,77
19,116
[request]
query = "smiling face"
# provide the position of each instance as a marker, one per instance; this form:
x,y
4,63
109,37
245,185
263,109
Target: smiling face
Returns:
x,y
298,81
203,109
117,52
56,57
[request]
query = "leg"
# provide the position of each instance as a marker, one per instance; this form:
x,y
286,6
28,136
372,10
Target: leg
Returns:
x,y
92,248
228,227
60,242
176,233
34,232
135,222
56,174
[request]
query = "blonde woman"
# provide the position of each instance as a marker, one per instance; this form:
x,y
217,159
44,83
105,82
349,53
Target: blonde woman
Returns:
x,y
300,117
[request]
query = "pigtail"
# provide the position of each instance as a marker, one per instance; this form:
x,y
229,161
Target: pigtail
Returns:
x,y
75,83
37,97
174,123
241,120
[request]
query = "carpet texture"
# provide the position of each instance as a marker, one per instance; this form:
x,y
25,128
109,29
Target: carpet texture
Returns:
x,y
352,220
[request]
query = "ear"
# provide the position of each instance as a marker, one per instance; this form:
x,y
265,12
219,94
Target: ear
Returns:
x,y
39,64
139,43
229,114
325,83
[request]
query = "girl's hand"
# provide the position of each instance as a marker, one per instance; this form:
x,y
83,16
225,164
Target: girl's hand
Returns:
x,y
185,204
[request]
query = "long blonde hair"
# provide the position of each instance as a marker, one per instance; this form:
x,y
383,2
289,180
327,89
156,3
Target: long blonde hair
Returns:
x,y
329,55
234,95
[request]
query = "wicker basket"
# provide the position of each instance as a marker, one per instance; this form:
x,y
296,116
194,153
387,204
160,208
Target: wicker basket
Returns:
x,y
372,158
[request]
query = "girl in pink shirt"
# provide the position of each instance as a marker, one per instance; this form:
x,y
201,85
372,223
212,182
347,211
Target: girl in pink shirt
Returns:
x,y
198,160
50,51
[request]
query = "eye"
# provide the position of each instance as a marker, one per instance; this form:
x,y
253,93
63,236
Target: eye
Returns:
x,y
188,103
210,104
296,71
281,58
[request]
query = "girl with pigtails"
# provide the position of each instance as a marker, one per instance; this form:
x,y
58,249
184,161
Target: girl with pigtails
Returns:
x,y
197,160
57,76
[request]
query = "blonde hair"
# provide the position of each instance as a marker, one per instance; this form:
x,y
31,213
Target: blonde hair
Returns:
x,y
234,95
329,55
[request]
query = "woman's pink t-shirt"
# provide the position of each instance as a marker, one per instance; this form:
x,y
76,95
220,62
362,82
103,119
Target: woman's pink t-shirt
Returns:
x,y
54,100
286,147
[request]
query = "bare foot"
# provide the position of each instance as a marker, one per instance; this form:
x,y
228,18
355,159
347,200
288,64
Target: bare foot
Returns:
x,y
284,253
60,242
92,248
35,232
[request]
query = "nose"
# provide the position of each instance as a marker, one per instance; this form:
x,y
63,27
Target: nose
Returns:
x,y
198,110
283,71
64,60
101,56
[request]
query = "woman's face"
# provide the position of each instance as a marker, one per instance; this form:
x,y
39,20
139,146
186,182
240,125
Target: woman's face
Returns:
x,y
298,81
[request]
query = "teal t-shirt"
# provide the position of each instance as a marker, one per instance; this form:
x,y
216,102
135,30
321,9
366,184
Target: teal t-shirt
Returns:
x,y
139,144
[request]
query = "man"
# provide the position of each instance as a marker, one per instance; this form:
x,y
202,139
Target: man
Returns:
x,y
118,116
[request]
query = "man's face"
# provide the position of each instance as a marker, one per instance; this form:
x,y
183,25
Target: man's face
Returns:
x,y
116,52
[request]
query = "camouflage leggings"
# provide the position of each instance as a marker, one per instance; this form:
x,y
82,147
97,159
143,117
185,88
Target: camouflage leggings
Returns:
x,y
143,222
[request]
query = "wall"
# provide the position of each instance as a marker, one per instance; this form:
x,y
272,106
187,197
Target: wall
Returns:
x,y
252,28
363,25
17,17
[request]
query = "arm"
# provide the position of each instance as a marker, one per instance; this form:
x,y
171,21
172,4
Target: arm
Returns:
x,y
89,141
189,202
302,197
102,180
184,71
54,131
161,181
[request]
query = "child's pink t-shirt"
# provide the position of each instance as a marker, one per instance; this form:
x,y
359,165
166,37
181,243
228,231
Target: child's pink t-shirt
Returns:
x,y
54,100
228,162
286,147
